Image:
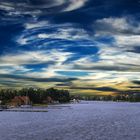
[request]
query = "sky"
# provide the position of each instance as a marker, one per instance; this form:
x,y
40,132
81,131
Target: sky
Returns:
x,y
85,46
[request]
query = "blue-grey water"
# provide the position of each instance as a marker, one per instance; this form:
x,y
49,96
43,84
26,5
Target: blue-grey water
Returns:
x,y
83,121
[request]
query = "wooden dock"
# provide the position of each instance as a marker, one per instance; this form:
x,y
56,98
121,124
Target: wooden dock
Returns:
x,y
24,110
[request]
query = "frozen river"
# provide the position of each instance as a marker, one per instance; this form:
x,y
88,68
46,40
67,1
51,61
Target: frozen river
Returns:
x,y
83,121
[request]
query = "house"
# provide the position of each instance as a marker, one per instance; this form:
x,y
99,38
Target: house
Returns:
x,y
20,100
48,100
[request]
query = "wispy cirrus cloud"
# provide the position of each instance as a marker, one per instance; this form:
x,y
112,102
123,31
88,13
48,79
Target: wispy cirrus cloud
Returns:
x,y
118,25
34,25
19,62
36,9
124,30
44,30
44,41
75,4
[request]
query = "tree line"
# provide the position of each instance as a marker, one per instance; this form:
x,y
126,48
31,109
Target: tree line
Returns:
x,y
36,95
133,97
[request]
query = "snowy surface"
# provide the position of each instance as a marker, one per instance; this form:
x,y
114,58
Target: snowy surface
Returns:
x,y
83,121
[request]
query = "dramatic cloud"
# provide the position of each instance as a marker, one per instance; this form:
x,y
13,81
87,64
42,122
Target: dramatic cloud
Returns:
x,y
81,45
75,4
121,25
37,8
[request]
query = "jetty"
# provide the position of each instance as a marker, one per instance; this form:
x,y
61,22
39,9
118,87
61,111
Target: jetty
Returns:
x,y
24,110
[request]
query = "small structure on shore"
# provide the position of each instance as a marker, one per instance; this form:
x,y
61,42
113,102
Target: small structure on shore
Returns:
x,y
49,100
20,100
75,101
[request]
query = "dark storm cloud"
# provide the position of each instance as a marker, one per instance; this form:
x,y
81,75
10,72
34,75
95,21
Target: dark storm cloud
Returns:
x,y
20,77
64,84
136,82
97,88
135,49
134,87
104,67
